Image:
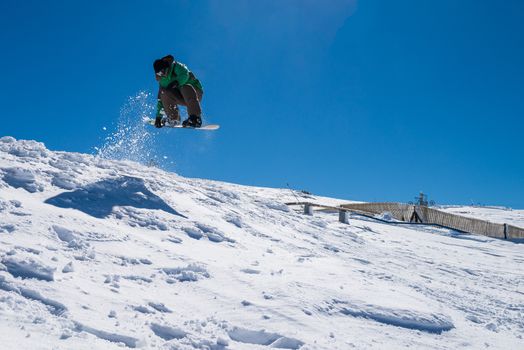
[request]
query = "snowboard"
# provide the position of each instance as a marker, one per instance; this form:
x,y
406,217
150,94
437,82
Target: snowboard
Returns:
x,y
208,127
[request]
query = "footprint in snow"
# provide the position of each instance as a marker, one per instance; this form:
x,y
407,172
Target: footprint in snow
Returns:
x,y
7,228
167,333
143,309
234,220
193,232
173,239
160,307
201,230
190,273
273,340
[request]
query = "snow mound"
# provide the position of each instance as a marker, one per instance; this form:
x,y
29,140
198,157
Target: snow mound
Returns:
x,y
21,178
28,268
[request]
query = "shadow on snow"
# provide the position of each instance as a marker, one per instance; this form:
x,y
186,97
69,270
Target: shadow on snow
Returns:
x,y
99,198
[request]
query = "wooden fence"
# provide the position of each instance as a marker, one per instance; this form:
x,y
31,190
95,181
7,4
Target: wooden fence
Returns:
x,y
461,223
423,215
514,232
399,211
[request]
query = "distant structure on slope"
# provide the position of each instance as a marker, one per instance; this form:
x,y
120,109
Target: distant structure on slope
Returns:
x,y
422,201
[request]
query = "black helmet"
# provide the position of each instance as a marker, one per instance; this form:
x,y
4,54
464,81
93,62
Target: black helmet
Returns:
x,y
160,65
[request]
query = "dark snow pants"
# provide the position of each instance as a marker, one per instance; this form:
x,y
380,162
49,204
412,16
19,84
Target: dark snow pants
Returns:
x,y
185,95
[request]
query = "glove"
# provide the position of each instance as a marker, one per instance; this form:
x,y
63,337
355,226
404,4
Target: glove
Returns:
x,y
158,122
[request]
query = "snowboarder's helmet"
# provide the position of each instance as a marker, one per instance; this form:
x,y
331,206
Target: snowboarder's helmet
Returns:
x,y
160,65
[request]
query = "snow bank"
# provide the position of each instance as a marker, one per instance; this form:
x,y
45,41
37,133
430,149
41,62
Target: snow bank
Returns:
x,y
21,178
28,268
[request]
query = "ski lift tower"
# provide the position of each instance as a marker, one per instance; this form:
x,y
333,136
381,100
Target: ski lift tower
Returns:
x,y
422,200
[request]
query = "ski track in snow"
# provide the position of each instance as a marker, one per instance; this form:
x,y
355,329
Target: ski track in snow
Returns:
x,y
105,254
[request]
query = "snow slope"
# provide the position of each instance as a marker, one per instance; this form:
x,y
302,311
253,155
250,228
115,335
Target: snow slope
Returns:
x,y
101,254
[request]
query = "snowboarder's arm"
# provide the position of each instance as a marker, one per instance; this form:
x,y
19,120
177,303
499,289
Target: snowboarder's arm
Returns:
x,y
181,73
159,108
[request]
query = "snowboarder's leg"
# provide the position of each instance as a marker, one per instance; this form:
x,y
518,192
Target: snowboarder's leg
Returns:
x,y
192,98
171,98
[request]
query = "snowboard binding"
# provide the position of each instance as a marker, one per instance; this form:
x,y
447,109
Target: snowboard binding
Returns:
x,y
194,121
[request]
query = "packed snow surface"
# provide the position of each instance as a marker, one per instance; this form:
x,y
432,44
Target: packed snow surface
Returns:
x,y
104,254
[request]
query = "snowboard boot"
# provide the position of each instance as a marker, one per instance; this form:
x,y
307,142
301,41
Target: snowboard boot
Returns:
x,y
194,121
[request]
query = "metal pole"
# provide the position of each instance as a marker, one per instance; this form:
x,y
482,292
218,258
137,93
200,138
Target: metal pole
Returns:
x,y
343,216
308,209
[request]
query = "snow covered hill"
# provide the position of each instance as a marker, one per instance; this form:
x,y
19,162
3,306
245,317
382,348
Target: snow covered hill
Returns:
x,y
100,254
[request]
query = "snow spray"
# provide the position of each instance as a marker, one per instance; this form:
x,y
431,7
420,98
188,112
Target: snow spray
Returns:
x,y
132,140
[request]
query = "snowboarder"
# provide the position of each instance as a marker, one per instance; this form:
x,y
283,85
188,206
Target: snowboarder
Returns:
x,y
177,86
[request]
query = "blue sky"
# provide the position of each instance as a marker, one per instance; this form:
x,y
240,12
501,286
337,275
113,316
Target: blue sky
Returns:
x,y
366,100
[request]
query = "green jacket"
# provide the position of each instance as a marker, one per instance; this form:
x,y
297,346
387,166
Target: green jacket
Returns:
x,y
177,75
